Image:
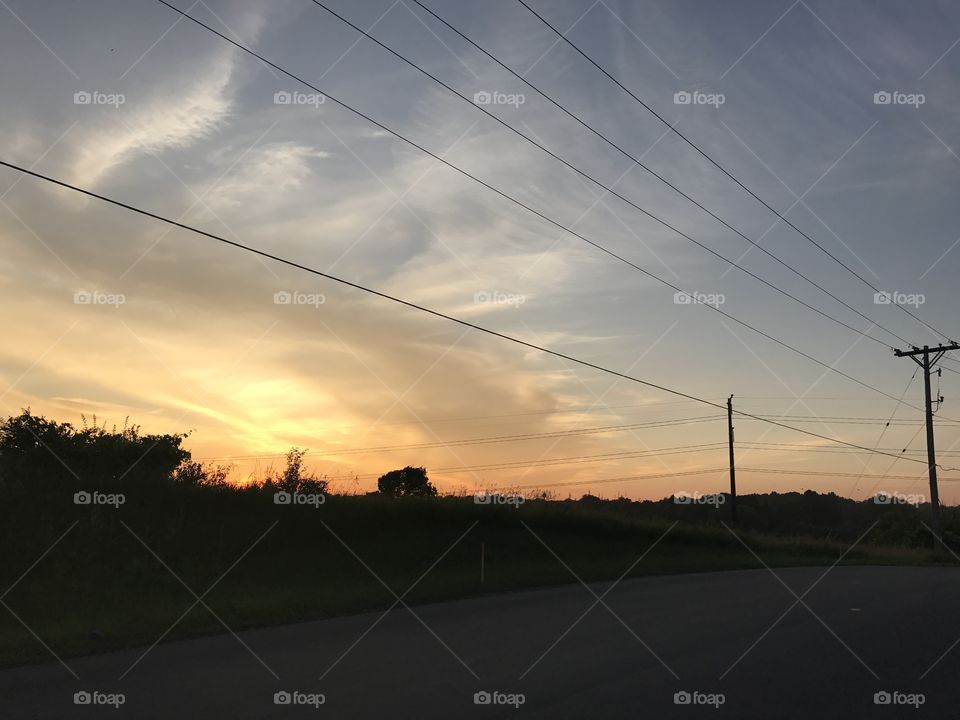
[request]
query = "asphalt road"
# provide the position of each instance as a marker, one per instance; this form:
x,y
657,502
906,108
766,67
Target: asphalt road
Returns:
x,y
727,636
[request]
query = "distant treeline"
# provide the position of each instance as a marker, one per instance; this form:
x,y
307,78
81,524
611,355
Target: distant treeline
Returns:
x,y
44,457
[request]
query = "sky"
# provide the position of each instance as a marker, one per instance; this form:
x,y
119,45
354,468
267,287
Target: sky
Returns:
x,y
111,313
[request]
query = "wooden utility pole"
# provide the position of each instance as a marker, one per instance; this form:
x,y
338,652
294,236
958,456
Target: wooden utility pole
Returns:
x,y
733,470
922,357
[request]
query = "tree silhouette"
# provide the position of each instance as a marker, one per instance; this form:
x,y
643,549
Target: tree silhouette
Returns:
x,y
409,482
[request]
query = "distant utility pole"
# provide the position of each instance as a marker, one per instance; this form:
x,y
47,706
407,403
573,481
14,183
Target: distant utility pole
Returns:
x,y
927,363
733,470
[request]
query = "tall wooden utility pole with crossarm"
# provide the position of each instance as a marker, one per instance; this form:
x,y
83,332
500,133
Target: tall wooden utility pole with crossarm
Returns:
x,y
922,357
733,469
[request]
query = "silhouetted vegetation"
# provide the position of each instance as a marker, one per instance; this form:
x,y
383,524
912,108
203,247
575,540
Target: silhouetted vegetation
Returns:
x,y
102,587
38,455
408,482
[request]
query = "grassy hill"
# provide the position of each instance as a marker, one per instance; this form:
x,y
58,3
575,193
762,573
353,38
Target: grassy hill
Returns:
x,y
101,587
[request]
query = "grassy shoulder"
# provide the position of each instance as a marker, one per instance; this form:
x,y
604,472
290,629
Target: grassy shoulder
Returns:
x,y
117,578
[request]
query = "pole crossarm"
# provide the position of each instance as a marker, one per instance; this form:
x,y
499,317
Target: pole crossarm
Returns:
x,y
926,349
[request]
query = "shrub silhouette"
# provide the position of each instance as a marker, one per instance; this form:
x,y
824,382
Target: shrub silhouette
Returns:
x,y
39,454
409,482
293,480
197,474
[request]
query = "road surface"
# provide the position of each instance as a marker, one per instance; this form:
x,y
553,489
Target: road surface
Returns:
x,y
730,640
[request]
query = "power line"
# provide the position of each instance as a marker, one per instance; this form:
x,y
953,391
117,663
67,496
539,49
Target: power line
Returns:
x,y
484,440
578,459
547,486
412,305
704,471
774,471
358,113
836,421
560,411
883,432
788,447
653,172
616,194
718,165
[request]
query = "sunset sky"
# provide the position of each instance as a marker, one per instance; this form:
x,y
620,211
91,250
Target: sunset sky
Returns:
x,y
186,334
